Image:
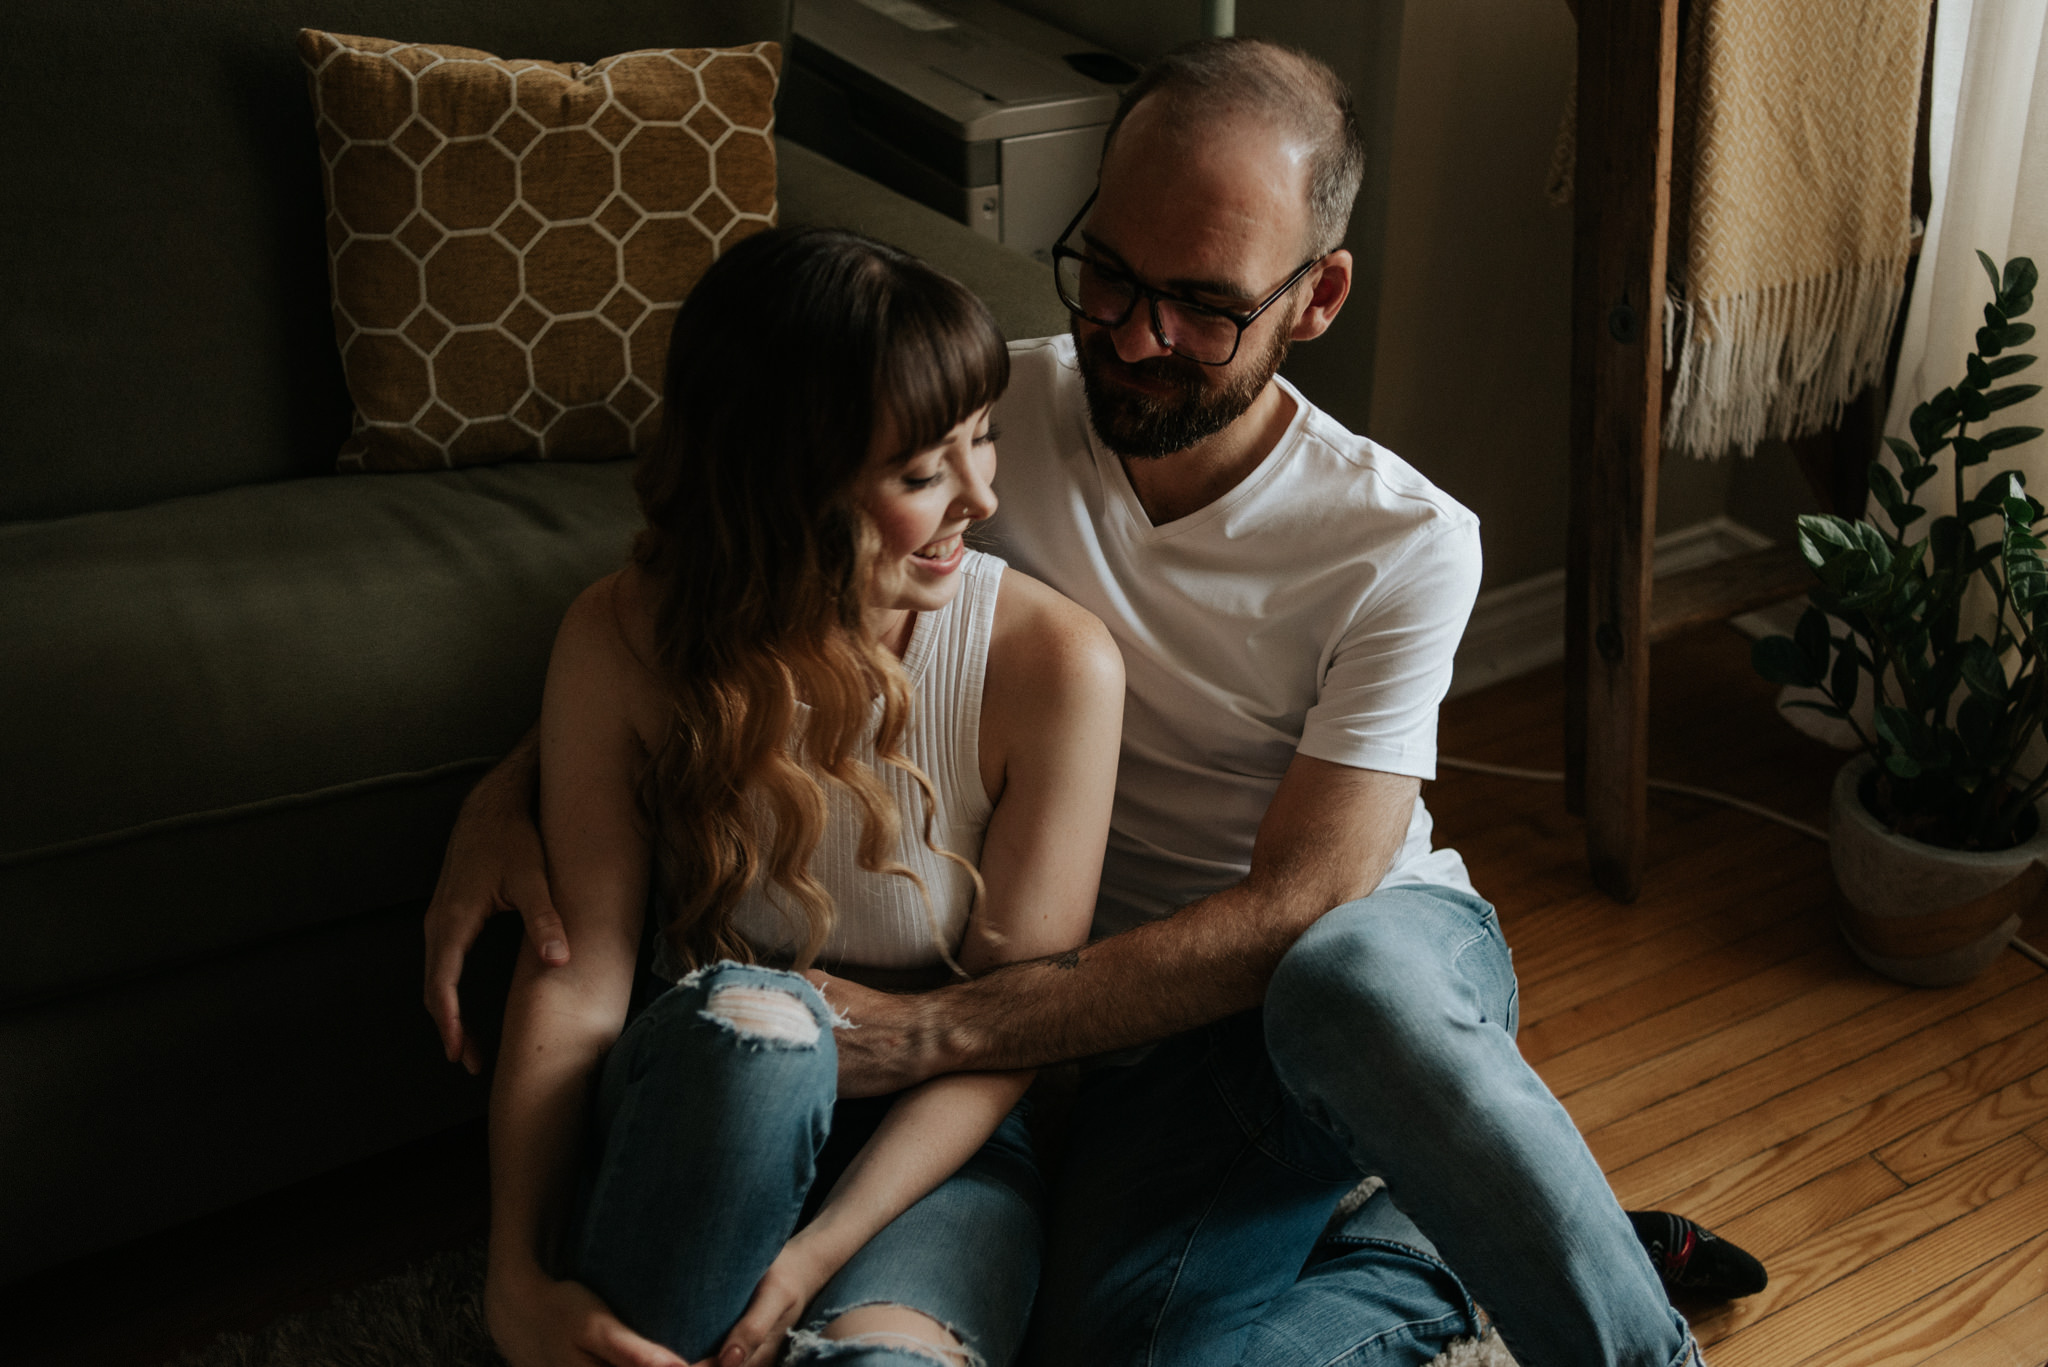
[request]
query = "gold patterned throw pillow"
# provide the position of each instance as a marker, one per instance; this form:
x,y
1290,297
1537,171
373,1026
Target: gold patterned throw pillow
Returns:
x,y
508,240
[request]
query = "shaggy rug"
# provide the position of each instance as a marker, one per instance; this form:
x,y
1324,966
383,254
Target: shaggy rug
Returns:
x,y
431,1315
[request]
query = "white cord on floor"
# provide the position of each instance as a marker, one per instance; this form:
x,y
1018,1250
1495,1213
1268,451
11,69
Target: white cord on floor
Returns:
x,y
1707,794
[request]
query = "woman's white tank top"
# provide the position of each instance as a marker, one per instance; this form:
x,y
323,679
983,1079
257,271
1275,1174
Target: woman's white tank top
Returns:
x,y
881,921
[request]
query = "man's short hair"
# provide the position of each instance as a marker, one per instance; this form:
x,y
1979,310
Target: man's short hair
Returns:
x,y
1280,83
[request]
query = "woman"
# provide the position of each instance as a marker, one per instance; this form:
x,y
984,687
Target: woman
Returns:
x,y
732,719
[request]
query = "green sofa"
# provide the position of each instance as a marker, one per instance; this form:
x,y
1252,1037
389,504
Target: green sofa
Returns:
x,y
241,696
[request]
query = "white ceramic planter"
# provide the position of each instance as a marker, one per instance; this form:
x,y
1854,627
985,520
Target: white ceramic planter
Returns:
x,y
1918,913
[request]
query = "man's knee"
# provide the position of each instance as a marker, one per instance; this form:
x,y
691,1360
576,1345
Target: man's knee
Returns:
x,y
1401,963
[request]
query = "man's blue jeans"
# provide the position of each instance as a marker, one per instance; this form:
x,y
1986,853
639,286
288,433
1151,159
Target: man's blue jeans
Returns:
x,y
1191,1224
711,1143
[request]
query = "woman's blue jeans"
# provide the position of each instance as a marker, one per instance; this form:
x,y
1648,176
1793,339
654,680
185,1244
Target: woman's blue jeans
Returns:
x,y
716,1133
1192,1220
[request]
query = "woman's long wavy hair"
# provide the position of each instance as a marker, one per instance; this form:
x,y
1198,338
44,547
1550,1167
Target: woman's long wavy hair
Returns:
x,y
790,351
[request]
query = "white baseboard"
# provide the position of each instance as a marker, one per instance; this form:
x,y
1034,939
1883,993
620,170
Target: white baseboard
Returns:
x,y
1520,627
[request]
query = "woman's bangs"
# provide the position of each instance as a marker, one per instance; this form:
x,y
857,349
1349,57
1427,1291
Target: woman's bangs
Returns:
x,y
944,361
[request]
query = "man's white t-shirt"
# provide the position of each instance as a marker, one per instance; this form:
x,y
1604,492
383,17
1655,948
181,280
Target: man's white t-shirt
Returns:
x,y
1315,608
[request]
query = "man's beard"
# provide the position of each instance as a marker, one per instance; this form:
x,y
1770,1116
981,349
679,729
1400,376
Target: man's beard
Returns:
x,y
1142,426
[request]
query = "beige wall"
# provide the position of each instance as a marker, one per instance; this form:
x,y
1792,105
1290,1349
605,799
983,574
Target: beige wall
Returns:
x,y
1455,348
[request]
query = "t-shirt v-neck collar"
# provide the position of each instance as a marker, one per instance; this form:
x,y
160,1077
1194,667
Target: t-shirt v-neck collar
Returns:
x,y
1117,481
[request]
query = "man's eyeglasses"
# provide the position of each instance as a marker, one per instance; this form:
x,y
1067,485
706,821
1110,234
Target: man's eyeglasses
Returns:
x,y
1105,296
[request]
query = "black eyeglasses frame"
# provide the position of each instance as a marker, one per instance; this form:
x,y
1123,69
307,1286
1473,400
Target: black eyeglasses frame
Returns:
x,y
1154,297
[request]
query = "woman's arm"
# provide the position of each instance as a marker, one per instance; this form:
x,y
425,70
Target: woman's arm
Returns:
x,y
560,1020
1052,717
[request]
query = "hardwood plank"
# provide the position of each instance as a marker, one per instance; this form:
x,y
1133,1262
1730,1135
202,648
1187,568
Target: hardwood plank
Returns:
x,y
1830,1321
1807,1210
2015,1340
1975,1300
1686,1001
1747,1159
1821,1017
2039,1134
1679,1000
1819,1077
1727,588
1828,1256
1757,878
1663,955
1934,1146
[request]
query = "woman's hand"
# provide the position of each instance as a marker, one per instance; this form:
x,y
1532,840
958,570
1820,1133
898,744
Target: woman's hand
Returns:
x,y
791,1282
541,1322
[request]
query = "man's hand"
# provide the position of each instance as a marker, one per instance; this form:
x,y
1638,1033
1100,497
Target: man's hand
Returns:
x,y
882,1051
494,863
1328,836
546,1323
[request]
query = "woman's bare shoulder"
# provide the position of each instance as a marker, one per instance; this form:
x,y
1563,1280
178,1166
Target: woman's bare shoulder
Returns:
x,y
1047,644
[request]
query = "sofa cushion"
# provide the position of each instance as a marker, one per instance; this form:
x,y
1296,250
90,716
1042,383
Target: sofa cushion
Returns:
x,y
510,240
229,717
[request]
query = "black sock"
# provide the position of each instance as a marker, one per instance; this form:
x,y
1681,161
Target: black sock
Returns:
x,y
1691,1258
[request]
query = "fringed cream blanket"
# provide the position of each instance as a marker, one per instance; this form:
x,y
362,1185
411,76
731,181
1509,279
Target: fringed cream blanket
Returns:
x,y
1792,168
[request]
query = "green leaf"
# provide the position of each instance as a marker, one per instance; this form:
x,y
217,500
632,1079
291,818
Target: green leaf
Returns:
x,y
1885,489
2013,305
2003,437
1914,478
1949,539
1901,764
1822,536
1811,636
1929,428
2025,577
1908,454
1982,671
2007,397
2020,277
2008,365
1976,720
1895,725
1975,408
1847,675
1970,451
1994,317
1781,661
1990,268
1979,374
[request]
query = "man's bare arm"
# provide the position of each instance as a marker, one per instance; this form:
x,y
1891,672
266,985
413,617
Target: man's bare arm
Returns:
x,y
494,863
1328,836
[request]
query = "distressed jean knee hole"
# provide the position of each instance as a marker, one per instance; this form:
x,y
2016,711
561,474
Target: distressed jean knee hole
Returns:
x,y
763,1013
910,1332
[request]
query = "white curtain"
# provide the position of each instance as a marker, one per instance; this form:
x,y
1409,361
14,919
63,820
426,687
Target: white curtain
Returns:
x,y
1987,145
1988,161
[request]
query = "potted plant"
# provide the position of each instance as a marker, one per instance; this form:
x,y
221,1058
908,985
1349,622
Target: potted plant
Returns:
x,y
1935,830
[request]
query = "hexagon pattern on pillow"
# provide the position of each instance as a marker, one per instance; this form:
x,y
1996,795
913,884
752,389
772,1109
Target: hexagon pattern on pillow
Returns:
x,y
508,240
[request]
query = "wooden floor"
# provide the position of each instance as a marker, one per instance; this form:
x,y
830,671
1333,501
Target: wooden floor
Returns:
x,y
1883,1148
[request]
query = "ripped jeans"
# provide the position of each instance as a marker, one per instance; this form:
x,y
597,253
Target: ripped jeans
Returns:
x,y
716,1133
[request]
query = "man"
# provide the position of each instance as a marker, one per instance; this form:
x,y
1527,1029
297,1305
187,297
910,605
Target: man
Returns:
x,y
1288,990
